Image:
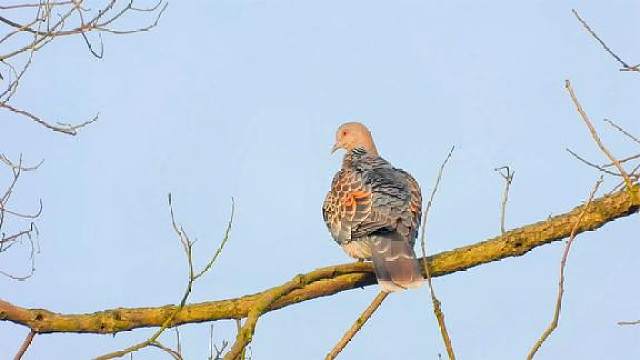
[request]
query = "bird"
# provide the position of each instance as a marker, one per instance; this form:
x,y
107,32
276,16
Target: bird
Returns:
x,y
373,210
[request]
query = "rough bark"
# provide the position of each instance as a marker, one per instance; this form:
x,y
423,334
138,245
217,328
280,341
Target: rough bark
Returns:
x,y
332,279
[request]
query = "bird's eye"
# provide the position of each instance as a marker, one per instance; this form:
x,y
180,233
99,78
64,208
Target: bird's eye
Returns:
x,y
344,132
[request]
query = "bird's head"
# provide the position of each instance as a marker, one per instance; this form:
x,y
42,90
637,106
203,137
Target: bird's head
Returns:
x,y
353,135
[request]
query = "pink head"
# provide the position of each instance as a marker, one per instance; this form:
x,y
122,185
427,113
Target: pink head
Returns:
x,y
354,135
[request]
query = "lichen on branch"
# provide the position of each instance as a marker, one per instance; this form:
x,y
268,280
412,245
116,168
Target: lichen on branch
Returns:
x,y
332,279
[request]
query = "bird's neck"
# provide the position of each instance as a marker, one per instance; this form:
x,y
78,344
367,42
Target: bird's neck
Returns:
x,y
354,156
369,146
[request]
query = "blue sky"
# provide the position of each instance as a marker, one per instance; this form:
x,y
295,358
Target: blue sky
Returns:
x,y
241,99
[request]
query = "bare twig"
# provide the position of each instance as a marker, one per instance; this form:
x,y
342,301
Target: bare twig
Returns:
x,y
596,138
173,353
211,342
7,241
625,66
49,20
67,129
219,351
563,262
99,22
357,325
621,184
625,132
187,244
19,165
595,166
633,174
437,306
34,5
629,158
213,347
178,345
25,345
507,175
636,322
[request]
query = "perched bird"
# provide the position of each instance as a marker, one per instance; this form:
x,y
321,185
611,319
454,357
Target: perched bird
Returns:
x,y
373,210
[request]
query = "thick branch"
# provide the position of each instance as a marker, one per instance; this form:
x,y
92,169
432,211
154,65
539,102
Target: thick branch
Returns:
x,y
332,279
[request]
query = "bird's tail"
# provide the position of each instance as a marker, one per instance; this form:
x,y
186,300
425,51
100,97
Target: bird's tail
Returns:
x,y
395,262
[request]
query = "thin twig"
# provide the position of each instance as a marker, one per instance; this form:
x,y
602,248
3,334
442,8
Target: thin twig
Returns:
x,y
563,262
219,350
596,138
595,166
7,241
19,166
50,20
98,23
34,5
25,345
508,178
621,184
178,345
69,129
173,353
357,325
629,158
211,341
437,306
188,249
625,66
636,322
625,132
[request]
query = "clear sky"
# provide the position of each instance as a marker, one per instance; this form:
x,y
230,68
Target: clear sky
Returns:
x,y
242,98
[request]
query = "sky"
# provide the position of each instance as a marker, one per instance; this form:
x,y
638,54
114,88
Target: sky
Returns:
x,y
242,98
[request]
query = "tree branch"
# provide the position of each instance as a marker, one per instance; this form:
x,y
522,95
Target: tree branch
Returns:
x,y
507,175
357,325
625,65
332,279
187,245
595,136
563,263
8,240
25,345
622,323
33,25
260,306
437,305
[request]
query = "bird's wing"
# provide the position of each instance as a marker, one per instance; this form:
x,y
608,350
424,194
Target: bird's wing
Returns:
x,y
372,196
363,202
413,213
347,205
396,194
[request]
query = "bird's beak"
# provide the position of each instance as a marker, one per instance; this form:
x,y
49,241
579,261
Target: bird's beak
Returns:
x,y
335,147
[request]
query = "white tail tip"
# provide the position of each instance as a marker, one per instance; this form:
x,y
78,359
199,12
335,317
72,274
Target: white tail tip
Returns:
x,y
390,286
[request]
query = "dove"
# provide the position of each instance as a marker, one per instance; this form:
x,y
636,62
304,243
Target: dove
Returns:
x,y
373,210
